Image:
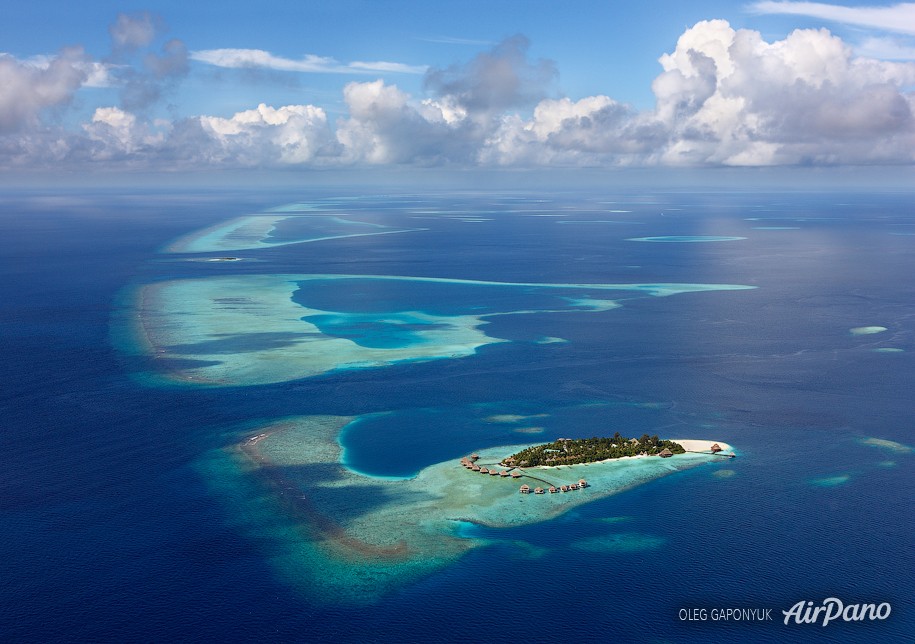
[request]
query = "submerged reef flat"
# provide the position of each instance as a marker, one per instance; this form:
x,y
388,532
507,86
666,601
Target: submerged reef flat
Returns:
x,y
240,233
867,330
883,443
259,329
253,232
680,239
354,537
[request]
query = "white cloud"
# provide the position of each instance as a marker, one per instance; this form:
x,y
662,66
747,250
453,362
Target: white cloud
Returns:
x,y
730,97
28,88
898,18
723,97
118,134
386,126
292,134
382,66
97,74
261,59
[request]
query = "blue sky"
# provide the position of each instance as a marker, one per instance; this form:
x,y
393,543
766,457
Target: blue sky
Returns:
x,y
497,84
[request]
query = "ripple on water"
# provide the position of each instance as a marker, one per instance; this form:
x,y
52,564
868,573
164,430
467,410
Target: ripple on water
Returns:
x,y
619,542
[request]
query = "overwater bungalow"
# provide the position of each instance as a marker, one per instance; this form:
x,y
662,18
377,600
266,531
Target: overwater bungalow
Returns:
x,y
553,489
665,453
564,488
538,490
525,489
503,474
484,470
493,472
573,486
715,448
516,474
475,468
474,457
582,483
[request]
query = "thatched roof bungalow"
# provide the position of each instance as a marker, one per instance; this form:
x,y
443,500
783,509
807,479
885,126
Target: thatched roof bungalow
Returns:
x,y
525,489
665,453
715,448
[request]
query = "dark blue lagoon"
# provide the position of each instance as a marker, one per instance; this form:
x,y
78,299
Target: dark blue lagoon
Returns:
x,y
240,416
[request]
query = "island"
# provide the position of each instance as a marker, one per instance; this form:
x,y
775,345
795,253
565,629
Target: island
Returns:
x,y
568,451
343,536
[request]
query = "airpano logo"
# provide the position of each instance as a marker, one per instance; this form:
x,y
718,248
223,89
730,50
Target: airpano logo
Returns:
x,y
832,608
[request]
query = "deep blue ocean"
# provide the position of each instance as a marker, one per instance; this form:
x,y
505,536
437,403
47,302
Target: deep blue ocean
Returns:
x,y
110,530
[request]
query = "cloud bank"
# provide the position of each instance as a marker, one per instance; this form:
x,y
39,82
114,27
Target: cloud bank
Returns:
x,y
724,97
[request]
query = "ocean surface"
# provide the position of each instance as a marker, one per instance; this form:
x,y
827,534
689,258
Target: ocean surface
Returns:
x,y
125,519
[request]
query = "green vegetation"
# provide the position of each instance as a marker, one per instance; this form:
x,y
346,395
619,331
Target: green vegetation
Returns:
x,y
569,451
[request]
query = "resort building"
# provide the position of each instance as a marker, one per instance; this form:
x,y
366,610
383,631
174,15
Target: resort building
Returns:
x,y
516,474
582,483
525,489
715,448
665,453
538,490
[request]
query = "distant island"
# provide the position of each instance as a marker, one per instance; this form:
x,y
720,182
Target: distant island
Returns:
x,y
573,451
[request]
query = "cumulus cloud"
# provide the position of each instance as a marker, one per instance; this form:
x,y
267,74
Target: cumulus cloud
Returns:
x,y
27,88
292,134
116,134
723,97
898,18
261,59
730,97
386,126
